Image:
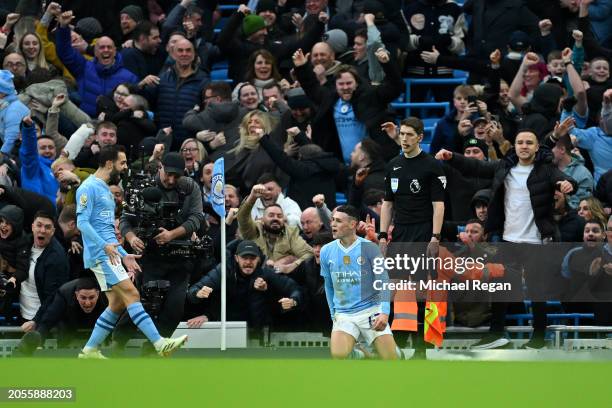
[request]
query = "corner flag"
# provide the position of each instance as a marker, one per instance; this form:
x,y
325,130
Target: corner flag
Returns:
x,y
218,187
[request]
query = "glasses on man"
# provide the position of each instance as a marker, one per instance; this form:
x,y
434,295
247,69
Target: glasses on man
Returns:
x,y
122,94
189,149
17,64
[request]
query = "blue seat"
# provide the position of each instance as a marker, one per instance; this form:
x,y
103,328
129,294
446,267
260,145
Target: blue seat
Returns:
x,y
407,106
340,199
430,81
218,74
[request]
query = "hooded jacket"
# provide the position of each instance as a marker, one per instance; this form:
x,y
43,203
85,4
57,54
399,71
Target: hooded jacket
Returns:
x,y
541,183
15,250
308,176
583,177
542,112
92,78
462,188
36,174
218,117
243,300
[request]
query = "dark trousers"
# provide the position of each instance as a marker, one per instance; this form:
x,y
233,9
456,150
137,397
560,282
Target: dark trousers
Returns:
x,y
404,235
527,257
176,271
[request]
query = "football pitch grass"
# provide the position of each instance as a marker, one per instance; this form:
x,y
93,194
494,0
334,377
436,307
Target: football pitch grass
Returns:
x,y
226,382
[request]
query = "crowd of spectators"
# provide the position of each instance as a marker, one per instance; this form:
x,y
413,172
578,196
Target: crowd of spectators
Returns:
x,y
301,109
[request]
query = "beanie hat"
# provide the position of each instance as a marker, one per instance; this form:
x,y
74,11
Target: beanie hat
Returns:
x,y
337,40
473,142
252,23
297,99
134,12
266,5
7,86
89,28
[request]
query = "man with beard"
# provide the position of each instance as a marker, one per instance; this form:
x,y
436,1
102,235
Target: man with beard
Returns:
x,y
356,109
252,287
159,262
145,59
103,255
280,243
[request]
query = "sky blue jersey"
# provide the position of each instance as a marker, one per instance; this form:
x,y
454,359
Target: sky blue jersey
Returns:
x,y
349,277
96,219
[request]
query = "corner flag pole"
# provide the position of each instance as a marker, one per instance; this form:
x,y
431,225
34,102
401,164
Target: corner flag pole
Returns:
x,y
223,287
218,199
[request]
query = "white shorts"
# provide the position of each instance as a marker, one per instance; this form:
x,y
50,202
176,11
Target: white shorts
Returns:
x,y
108,274
358,325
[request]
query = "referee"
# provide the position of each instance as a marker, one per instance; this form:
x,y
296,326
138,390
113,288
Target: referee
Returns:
x,y
414,198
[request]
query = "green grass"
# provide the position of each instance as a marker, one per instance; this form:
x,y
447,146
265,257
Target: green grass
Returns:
x,y
206,382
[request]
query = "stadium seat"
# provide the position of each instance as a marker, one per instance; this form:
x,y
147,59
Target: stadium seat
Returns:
x,y
340,199
407,106
218,74
432,82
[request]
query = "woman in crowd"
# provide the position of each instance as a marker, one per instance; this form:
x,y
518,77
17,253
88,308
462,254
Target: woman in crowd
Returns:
x,y
248,97
108,105
248,160
591,208
262,70
194,154
30,47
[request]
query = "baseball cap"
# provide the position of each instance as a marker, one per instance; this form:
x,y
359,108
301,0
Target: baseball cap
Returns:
x,y
247,248
173,163
478,120
519,41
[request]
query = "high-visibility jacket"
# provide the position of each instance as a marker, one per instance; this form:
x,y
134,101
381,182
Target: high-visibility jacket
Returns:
x,y
405,306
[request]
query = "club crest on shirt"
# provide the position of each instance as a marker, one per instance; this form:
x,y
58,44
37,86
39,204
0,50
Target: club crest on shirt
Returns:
x,y
360,260
443,181
394,184
415,186
83,200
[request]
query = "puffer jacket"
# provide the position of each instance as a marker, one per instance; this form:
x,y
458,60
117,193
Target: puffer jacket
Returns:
x,y
541,183
173,98
93,79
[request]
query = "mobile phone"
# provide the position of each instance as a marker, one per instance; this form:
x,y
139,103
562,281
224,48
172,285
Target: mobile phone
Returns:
x,y
472,99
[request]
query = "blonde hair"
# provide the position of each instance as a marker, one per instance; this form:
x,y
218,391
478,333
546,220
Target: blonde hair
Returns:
x,y
202,153
40,60
59,161
597,211
246,140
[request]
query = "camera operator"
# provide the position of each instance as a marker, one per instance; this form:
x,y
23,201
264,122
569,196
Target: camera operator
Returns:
x,y
158,262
